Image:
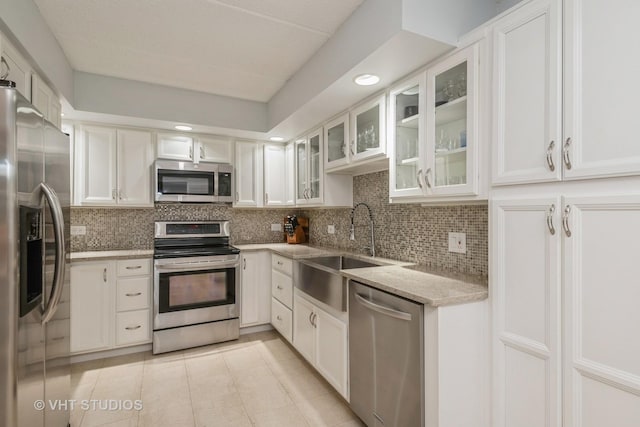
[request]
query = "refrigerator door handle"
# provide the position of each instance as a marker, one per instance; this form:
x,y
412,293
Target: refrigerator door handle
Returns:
x,y
61,255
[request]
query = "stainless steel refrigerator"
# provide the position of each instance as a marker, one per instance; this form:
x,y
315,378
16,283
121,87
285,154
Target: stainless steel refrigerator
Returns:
x,y
34,276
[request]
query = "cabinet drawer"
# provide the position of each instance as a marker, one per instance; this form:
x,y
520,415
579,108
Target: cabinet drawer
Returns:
x,y
133,293
281,319
132,327
134,267
282,288
283,264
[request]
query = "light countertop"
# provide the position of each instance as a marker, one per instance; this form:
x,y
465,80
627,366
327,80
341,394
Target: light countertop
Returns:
x,y
418,284
102,255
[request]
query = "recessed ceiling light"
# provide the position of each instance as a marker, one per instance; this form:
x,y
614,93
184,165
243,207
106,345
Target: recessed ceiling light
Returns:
x,y
366,79
276,138
183,127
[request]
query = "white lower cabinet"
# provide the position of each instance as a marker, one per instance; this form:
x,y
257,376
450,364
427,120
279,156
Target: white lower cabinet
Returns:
x,y
322,339
110,304
282,295
255,303
564,277
282,319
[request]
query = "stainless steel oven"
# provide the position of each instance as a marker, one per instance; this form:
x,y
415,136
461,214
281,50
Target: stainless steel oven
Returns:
x,y
196,285
178,181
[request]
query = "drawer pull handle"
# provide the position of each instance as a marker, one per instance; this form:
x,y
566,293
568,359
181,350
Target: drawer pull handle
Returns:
x,y
134,267
133,328
279,287
279,262
137,294
279,318
57,338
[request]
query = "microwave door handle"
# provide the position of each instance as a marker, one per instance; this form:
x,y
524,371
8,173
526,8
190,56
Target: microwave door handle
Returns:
x,y
216,183
61,255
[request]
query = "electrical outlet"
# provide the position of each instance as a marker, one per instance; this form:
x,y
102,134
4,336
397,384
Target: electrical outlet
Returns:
x,y
78,230
276,227
331,229
458,243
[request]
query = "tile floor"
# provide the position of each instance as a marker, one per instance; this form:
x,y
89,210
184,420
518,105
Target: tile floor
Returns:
x,y
258,380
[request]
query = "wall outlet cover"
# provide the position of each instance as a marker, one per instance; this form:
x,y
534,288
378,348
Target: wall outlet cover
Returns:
x,y
276,227
78,230
331,229
458,243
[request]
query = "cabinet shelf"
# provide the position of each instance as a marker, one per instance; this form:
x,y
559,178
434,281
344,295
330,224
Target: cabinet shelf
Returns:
x,y
410,122
451,111
451,152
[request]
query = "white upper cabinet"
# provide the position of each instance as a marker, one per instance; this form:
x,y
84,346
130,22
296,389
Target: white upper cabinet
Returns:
x,y
175,147
277,172
336,142
600,109
45,100
95,164
134,160
214,149
407,137
368,132
310,169
434,134
19,68
248,170
527,99
544,59
113,167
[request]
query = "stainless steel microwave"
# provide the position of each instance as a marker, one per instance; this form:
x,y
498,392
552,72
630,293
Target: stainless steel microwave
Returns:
x,y
193,182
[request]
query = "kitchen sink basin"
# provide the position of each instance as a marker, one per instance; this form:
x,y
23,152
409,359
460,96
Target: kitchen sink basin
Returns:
x,y
320,277
342,262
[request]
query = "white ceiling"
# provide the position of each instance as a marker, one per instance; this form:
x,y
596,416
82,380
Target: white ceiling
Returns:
x,y
241,48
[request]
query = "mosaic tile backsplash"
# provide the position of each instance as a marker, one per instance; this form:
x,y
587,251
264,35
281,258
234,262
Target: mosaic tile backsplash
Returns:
x,y
405,232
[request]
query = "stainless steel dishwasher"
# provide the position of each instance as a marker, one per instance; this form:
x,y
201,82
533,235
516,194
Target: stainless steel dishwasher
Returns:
x,y
386,358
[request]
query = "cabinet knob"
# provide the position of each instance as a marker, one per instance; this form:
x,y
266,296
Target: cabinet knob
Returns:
x,y
279,318
279,287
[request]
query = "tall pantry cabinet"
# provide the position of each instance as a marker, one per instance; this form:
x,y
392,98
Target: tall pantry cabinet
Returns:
x,y
566,351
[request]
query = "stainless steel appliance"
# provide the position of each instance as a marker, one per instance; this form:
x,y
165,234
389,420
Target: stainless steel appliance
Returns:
x,y
196,285
34,279
193,182
386,358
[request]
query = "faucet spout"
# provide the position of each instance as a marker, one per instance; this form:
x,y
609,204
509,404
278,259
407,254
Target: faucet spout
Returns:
x,y
352,235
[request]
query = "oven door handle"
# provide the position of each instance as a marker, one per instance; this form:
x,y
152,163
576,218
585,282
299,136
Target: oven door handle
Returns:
x,y
190,266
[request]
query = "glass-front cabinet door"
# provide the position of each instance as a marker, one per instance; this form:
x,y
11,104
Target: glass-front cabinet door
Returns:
x,y
309,168
407,137
336,142
368,138
302,185
451,125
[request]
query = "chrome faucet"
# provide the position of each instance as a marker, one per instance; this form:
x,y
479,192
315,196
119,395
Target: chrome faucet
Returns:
x,y
352,234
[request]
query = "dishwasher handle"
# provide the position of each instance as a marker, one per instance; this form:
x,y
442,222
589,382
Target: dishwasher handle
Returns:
x,y
383,309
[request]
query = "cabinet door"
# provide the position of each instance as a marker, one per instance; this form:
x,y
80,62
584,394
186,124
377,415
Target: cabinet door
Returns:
x,y
452,137
331,350
248,170
336,142
91,305
95,166
255,306
302,174
175,147
407,138
525,285
135,164
289,174
216,150
275,175
19,68
600,103
527,105
315,168
368,131
304,331
601,294
42,96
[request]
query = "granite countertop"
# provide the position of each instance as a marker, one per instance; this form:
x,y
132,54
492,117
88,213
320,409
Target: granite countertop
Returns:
x,y
102,255
415,282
